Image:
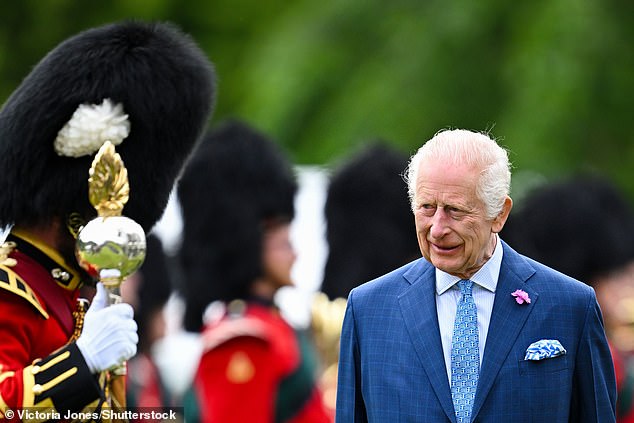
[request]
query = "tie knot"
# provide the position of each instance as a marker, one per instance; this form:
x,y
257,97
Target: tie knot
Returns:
x,y
465,286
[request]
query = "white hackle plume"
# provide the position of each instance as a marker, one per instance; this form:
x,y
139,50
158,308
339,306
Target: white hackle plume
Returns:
x,y
90,126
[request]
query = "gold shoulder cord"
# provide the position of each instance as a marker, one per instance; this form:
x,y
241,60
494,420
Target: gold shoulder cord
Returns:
x,y
78,316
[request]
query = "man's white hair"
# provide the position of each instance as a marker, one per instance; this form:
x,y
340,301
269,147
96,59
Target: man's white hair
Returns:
x,y
460,146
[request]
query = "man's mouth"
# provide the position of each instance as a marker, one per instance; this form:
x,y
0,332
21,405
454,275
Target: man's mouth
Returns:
x,y
444,248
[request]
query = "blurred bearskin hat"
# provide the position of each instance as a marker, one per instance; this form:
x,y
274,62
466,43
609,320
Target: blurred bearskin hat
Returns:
x,y
237,181
370,225
582,226
164,84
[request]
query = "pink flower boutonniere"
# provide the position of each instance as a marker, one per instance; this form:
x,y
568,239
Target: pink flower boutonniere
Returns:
x,y
521,297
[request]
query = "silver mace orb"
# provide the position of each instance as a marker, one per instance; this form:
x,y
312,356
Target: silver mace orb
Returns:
x,y
111,248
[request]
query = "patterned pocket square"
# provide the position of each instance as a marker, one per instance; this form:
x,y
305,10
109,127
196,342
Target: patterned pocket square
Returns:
x,y
544,348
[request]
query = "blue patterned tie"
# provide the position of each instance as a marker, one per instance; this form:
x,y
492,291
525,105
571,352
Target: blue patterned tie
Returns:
x,y
465,355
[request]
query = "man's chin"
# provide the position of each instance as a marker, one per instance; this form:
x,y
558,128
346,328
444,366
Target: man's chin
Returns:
x,y
447,266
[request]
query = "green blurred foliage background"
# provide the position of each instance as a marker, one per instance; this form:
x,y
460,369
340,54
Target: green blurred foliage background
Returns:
x,y
552,79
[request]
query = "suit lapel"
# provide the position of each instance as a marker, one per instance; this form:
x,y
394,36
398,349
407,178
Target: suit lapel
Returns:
x,y
418,306
507,320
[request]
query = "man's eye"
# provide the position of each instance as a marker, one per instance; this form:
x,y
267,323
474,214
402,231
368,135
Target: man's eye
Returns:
x,y
427,209
455,212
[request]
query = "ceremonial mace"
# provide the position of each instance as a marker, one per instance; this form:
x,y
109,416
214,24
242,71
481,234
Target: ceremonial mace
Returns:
x,y
110,246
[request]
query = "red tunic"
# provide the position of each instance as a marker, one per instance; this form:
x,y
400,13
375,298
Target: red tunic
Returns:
x,y
38,367
254,369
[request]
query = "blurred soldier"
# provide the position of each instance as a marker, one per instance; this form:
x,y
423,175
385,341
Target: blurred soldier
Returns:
x,y
584,227
149,90
236,253
147,291
370,230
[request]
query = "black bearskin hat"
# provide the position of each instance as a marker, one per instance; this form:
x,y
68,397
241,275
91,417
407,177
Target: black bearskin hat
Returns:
x,y
582,226
370,225
164,84
237,181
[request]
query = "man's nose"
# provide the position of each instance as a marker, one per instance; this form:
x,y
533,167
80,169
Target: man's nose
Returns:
x,y
439,224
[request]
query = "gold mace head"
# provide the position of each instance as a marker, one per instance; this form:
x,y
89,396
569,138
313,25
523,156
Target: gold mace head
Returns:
x,y
111,246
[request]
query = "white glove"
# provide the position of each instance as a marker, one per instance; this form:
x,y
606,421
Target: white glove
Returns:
x,y
109,336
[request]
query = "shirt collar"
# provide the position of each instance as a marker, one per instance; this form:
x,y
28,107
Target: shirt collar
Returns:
x,y
486,277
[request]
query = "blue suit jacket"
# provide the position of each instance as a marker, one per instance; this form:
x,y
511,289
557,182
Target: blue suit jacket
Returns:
x,y
392,369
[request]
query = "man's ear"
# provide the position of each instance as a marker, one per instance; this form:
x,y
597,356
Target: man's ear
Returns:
x,y
500,219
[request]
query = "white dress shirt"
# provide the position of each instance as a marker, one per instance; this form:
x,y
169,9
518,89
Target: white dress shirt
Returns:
x,y
448,294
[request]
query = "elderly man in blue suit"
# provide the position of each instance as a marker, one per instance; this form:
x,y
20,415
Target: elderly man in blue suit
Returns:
x,y
473,331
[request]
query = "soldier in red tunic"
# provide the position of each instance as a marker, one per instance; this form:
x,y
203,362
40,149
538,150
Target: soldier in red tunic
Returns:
x,y
237,199
145,87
